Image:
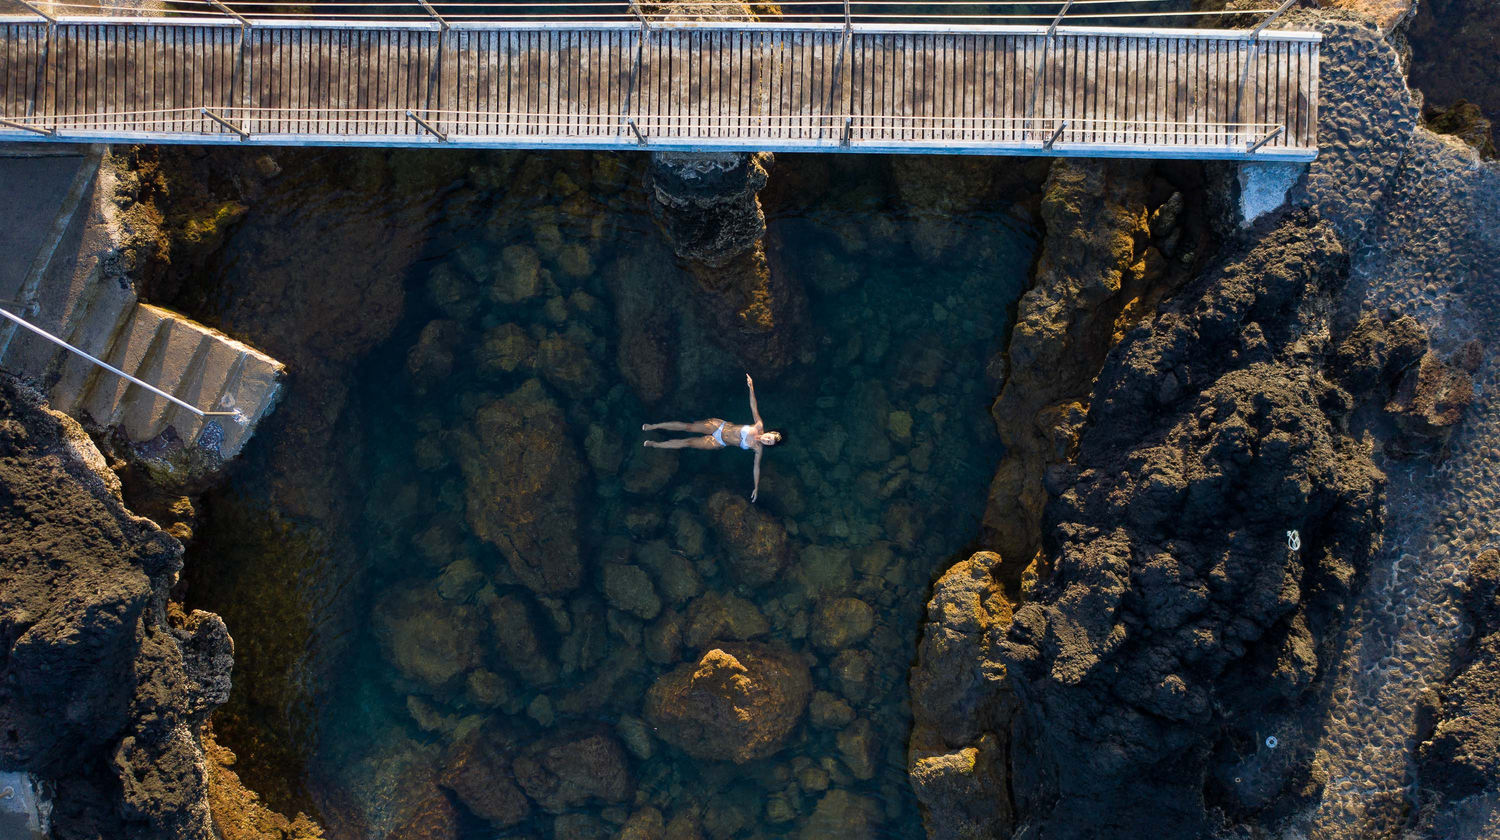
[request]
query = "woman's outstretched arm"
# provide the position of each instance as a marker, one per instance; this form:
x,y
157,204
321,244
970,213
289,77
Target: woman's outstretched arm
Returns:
x,y
754,409
754,491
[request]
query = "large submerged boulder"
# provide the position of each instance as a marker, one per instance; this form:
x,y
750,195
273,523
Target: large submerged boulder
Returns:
x,y
523,473
737,702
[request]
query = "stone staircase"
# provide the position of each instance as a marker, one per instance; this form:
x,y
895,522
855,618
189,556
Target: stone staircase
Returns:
x,y
55,276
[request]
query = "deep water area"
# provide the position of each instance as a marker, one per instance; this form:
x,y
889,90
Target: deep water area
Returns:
x,y
520,571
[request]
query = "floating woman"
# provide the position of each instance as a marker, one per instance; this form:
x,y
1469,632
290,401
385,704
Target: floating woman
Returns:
x,y
714,433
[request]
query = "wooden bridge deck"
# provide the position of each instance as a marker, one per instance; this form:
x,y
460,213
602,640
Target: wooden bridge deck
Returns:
x,y
748,86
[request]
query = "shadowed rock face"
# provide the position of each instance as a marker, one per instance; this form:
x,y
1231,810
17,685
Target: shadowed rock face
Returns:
x,y
1177,623
102,694
1092,267
708,207
1460,754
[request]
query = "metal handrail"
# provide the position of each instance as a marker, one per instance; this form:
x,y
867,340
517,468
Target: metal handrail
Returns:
x,y
447,125
24,324
843,12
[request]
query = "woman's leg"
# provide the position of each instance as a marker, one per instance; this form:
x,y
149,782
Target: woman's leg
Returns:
x,y
702,427
705,442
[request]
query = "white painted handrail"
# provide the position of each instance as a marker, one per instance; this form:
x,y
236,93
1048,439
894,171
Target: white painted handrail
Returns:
x,y
24,324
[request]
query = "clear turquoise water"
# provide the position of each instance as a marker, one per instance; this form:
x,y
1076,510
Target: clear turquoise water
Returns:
x,y
909,301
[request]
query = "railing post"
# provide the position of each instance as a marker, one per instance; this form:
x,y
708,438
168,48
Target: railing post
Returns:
x,y
636,8
442,138
849,19
1252,148
34,10
639,137
1060,13
24,127
244,135
848,132
1056,133
1285,4
231,12
435,16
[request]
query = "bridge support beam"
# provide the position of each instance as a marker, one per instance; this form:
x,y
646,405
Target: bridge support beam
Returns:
x,y
244,135
1264,140
24,127
442,137
245,22
31,7
1056,133
435,16
639,137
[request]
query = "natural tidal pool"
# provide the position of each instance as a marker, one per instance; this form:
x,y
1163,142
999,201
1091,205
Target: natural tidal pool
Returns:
x,y
457,674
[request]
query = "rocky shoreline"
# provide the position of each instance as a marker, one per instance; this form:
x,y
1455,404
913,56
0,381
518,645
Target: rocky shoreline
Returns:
x,y
1165,675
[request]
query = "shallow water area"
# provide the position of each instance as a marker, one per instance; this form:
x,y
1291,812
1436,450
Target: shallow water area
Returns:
x,y
500,407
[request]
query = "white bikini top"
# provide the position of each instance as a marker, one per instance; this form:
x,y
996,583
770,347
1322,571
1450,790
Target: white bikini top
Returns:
x,y
744,437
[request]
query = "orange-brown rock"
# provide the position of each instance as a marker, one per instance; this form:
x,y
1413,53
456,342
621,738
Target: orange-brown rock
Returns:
x,y
738,702
523,472
708,207
238,812
1092,268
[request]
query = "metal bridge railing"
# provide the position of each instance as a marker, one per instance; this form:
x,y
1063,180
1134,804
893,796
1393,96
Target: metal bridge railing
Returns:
x,y
847,129
650,14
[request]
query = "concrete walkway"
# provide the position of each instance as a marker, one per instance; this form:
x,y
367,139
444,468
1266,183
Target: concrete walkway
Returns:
x,y
55,248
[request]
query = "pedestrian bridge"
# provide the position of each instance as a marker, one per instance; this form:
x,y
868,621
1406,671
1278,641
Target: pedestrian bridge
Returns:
x,y
1086,78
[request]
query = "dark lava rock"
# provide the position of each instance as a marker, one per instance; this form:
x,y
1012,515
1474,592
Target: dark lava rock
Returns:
x,y
1430,401
1459,756
738,702
99,693
1177,622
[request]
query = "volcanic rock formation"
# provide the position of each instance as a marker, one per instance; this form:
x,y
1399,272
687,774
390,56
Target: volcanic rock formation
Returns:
x,y
105,684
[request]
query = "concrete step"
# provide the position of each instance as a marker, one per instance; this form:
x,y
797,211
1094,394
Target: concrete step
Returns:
x,y
35,242
254,391
109,309
167,365
102,401
213,367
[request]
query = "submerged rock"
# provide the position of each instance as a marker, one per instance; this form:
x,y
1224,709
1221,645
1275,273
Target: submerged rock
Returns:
x,y
477,770
426,638
522,473
841,622
754,543
707,205
567,771
738,702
